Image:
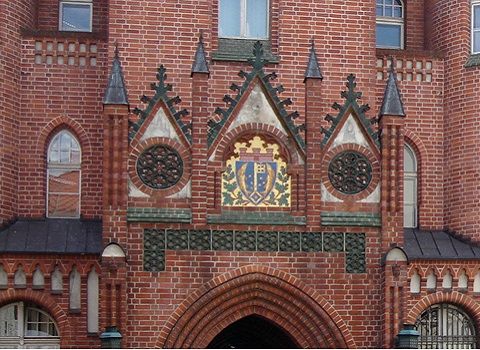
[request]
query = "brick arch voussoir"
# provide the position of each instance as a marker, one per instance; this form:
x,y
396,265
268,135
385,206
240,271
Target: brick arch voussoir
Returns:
x,y
414,141
252,308
456,298
329,323
277,302
282,138
46,302
64,122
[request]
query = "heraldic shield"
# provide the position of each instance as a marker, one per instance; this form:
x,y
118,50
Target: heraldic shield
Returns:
x,y
256,176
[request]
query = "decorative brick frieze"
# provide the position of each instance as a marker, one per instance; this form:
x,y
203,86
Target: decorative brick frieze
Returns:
x,y
157,241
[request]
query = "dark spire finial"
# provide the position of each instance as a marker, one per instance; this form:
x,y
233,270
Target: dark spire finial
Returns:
x,y
392,102
313,69
200,61
116,92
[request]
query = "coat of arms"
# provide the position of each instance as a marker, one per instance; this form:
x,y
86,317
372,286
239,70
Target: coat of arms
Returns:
x,y
256,175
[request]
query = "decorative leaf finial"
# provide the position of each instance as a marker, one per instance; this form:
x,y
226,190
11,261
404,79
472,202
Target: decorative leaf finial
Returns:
x,y
258,62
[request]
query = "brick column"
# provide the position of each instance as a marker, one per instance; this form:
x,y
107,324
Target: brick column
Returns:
x,y
313,137
392,136
391,124
200,75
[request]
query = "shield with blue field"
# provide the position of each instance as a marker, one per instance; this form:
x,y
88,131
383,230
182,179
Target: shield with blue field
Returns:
x,y
256,175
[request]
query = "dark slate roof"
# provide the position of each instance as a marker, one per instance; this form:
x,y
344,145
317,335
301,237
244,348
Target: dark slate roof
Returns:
x,y
55,236
116,92
438,245
392,102
200,61
313,69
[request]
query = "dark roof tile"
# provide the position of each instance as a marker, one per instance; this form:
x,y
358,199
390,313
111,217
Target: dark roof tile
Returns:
x,y
56,236
439,245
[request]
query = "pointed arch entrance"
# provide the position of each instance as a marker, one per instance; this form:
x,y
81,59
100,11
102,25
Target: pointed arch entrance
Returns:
x,y
259,292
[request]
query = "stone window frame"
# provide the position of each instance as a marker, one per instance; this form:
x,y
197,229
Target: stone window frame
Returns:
x,y
392,21
413,177
62,3
52,165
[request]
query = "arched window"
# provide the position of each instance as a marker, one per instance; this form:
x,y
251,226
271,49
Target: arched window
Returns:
x,y
63,173
389,28
445,326
410,212
27,326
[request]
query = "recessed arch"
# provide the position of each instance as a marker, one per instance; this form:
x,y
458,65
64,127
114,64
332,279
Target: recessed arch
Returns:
x,y
455,298
255,290
47,303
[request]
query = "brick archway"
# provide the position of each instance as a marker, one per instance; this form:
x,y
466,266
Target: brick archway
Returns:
x,y
255,290
455,298
47,303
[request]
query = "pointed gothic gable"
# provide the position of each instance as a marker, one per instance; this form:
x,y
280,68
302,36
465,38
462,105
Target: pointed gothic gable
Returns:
x,y
354,115
166,109
257,77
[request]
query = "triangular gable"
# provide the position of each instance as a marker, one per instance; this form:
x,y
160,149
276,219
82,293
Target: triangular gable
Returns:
x,y
350,132
159,126
161,101
350,109
259,77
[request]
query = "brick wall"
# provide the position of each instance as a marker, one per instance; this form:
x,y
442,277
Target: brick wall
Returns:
x,y
9,95
451,35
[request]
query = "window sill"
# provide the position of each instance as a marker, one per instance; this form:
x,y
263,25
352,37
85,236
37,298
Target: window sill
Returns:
x,y
241,50
34,33
473,61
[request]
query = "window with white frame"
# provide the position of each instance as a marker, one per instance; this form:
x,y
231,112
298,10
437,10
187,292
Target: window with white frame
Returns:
x,y
389,24
64,175
24,325
475,27
75,16
409,187
243,19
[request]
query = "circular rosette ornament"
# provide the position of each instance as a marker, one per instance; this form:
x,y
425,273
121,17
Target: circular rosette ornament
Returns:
x,y
350,172
160,167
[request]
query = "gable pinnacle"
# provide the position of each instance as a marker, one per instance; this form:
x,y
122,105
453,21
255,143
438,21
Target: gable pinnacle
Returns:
x,y
313,69
116,92
392,103
200,61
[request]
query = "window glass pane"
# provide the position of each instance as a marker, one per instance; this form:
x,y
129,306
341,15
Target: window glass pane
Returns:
x,y
409,190
388,11
379,10
408,216
9,321
476,17
229,22
76,17
256,18
63,193
476,41
408,160
388,35
397,12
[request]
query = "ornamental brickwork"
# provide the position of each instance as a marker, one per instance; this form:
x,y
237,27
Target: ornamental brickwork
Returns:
x,y
225,179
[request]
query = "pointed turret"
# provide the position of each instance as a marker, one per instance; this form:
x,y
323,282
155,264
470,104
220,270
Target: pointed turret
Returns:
x,y
116,92
200,61
313,69
392,103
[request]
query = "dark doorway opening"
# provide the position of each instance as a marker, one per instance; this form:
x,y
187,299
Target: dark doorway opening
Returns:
x,y
252,332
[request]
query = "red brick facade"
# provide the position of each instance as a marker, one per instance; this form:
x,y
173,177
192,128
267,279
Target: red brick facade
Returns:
x,y
348,294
